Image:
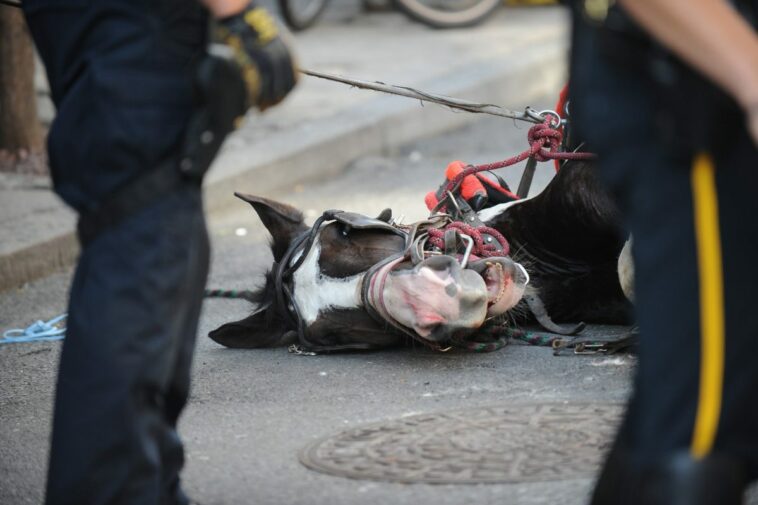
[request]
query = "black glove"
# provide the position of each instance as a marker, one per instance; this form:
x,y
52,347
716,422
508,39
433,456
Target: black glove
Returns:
x,y
267,65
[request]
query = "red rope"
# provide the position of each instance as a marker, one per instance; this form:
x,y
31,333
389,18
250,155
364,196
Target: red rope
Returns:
x,y
481,249
544,145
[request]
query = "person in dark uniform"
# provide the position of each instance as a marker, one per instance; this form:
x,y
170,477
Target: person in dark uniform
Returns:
x,y
141,111
666,92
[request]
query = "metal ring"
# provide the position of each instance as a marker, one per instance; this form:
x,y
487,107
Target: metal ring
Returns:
x,y
550,112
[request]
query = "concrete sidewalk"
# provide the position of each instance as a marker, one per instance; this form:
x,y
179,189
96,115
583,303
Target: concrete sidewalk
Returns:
x,y
514,58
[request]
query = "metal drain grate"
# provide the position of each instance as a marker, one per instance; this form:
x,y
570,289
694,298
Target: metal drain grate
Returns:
x,y
515,443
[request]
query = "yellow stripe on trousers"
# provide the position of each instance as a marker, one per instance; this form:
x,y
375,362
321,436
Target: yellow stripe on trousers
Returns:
x,y
710,270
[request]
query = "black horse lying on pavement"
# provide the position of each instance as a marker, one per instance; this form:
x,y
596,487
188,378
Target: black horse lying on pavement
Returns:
x,y
348,283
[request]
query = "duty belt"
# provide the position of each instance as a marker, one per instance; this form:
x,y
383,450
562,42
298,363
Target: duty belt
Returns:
x,y
221,93
130,199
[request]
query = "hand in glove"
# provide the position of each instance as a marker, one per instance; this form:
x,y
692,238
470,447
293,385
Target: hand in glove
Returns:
x,y
260,50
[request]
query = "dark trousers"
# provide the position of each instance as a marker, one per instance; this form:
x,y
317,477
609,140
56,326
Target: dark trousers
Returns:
x,y
692,211
125,368
121,78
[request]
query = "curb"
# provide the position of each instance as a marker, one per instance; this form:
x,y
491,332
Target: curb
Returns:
x,y
33,262
322,147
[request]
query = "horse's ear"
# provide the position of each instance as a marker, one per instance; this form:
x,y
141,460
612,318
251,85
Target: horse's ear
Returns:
x,y
256,330
283,221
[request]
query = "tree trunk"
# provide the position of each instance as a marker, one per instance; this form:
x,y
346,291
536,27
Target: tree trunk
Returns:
x,y
21,139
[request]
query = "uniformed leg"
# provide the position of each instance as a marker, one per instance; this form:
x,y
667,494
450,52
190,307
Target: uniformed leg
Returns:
x,y
691,416
124,368
177,394
688,436
735,422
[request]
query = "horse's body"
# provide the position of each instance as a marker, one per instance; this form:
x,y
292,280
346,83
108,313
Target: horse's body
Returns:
x,y
570,238
567,237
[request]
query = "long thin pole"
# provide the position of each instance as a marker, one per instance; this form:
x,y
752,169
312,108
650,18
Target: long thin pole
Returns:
x,y
529,114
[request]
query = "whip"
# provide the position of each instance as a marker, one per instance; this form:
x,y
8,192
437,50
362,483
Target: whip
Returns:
x,y
530,115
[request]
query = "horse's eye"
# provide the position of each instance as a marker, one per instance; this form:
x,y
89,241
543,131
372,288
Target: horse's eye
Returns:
x,y
344,230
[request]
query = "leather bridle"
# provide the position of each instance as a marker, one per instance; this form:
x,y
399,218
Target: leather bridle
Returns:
x,y
301,246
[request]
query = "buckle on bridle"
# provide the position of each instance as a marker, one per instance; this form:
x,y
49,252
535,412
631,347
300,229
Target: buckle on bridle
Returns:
x,y
594,345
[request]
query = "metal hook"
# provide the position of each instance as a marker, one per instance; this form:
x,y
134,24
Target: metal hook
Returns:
x,y
454,202
469,248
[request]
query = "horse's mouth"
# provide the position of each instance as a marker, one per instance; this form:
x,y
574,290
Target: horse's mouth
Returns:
x,y
505,281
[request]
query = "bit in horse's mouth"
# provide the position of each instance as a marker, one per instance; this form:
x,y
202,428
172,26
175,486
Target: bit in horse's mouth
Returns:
x,y
495,280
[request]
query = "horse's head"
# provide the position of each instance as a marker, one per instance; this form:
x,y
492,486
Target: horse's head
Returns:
x,y
347,283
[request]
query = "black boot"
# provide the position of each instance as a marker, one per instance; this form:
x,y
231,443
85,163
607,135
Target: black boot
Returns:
x,y
680,480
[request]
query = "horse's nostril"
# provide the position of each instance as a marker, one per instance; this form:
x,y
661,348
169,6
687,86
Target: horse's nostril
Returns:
x,y
440,333
428,330
451,290
442,267
440,263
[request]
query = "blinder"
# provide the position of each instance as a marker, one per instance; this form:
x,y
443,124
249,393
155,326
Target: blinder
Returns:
x,y
353,220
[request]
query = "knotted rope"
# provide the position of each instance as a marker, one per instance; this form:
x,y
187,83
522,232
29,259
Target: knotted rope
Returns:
x,y
544,143
481,248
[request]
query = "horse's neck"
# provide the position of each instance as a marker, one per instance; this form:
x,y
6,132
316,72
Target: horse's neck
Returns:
x,y
574,218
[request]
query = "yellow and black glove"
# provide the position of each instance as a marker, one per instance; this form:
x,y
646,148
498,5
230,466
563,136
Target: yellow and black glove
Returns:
x,y
268,66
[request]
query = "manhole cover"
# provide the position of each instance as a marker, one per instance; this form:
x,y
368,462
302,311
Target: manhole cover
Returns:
x,y
517,443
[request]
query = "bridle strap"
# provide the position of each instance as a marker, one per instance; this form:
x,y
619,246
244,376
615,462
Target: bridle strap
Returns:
x,y
381,316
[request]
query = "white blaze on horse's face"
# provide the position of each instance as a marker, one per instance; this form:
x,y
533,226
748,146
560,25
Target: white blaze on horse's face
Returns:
x,y
315,292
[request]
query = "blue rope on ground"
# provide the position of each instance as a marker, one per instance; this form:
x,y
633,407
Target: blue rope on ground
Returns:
x,y
40,331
